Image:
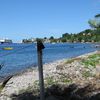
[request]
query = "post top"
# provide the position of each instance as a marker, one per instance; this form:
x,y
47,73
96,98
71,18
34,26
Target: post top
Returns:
x,y
40,45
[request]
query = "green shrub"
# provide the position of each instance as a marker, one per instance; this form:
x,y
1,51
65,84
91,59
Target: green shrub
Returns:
x,y
92,60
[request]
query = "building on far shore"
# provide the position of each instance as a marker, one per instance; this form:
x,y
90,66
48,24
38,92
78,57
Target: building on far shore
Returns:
x,y
5,41
31,40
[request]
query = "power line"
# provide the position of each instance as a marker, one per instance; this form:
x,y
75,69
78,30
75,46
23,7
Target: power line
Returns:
x,y
16,51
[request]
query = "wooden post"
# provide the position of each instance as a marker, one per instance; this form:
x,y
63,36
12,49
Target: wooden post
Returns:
x,y
40,46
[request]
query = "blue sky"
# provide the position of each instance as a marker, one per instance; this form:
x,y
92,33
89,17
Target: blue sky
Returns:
x,y
44,18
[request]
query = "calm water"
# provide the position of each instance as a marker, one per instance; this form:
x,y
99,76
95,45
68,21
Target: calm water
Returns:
x,y
25,55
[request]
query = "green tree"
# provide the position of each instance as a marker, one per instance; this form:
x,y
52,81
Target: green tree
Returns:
x,y
51,38
95,23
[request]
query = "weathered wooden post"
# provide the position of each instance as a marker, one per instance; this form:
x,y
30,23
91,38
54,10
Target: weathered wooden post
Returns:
x,y
40,46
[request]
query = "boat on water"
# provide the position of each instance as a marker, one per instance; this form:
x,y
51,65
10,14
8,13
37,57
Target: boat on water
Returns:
x,y
8,48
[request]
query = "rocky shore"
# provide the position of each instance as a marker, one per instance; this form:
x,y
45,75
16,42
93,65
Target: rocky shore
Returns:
x,y
73,75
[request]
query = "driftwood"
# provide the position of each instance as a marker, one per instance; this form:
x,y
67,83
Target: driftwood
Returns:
x,y
6,80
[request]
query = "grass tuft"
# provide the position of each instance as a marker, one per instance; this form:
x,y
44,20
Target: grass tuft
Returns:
x,y
92,60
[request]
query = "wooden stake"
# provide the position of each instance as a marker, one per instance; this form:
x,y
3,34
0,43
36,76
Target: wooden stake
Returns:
x,y
40,46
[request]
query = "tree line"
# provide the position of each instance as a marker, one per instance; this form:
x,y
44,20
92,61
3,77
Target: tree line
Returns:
x,y
88,35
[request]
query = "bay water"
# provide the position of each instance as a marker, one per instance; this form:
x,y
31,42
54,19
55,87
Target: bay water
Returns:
x,y
24,56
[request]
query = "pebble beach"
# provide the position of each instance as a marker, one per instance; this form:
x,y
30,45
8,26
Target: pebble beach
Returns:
x,y
63,72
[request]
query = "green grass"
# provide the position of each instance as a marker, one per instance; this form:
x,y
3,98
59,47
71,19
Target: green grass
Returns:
x,y
86,74
91,61
1,88
50,81
36,84
65,80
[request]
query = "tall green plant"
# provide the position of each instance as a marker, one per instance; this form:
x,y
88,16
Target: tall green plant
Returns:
x,y
95,23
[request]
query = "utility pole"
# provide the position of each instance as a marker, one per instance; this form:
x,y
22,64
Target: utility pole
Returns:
x,y
40,46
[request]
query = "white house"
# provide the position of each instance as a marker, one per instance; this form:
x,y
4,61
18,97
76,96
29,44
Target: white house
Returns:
x,y
5,41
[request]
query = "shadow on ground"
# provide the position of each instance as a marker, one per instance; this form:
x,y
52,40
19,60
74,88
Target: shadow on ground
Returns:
x,y
59,92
